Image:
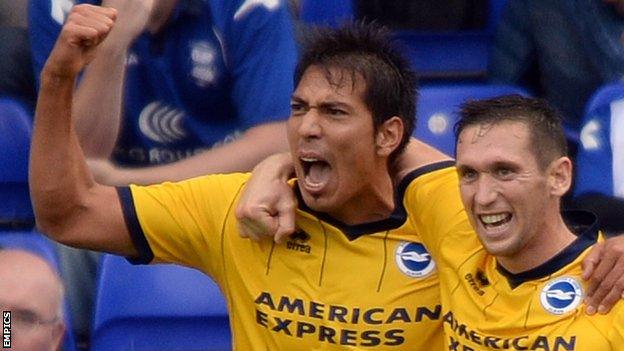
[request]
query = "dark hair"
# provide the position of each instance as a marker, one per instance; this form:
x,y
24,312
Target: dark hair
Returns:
x,y
544,122
366,50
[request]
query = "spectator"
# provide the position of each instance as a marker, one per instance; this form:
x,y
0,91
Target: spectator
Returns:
x,y
600,176
33,292
562,49
16,76
178,79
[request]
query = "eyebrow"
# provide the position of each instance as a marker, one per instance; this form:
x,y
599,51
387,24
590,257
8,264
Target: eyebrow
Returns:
x,y
493,165
295,98
462,168
325,104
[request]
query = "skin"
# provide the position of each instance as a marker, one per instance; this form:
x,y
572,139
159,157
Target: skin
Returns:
x,y
28,283
267,206
75,210
331,122
98,101
500,176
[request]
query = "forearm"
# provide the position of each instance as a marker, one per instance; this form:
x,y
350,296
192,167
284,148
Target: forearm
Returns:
x,y
416,154
238,156
57,178
98,100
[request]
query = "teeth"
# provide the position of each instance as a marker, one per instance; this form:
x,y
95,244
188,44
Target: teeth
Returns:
x,y
309,159
491,219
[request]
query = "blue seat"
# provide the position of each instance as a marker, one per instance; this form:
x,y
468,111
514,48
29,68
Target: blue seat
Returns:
x,y
435,55
438,107
158,307
38,244
326,12
15,133
447,55
600,159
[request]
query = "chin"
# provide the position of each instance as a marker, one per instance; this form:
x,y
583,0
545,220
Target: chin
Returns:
x,y
316,202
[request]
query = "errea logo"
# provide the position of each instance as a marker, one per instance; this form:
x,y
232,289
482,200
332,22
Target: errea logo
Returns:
x,y
299,242
561,295
413,259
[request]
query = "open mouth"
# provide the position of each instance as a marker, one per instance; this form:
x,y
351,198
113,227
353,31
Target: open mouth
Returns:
x,y
316,171
495,220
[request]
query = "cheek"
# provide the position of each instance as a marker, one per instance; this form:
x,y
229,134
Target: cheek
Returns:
x,y
467,194
291,130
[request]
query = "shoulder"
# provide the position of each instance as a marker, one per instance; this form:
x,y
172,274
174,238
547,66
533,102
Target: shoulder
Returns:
x,y
418,155
205,188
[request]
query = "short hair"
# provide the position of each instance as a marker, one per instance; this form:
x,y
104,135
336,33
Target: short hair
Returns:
x,y
366,49
544,122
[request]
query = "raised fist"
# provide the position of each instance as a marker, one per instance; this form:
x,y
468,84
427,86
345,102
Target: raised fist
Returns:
x,y
85,28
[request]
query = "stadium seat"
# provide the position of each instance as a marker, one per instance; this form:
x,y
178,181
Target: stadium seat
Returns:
x,y
438,106
157,307
600,159
38,244
449,55
326,12
496,9
15,132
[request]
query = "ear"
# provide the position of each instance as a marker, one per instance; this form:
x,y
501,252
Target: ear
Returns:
x,y
560,176
58,334
388,136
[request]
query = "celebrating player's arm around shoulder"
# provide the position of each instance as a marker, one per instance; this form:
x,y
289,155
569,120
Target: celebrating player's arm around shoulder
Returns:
x,y
69,206
266,209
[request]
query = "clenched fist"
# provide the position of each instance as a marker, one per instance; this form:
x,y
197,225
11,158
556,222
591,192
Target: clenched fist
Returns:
x,y
86,27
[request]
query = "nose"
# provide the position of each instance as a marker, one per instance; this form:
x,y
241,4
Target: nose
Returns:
x,y
309,124
486,190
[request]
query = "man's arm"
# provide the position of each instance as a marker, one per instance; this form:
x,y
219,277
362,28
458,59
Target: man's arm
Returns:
x,y
267,206
69,206
238,156
99,97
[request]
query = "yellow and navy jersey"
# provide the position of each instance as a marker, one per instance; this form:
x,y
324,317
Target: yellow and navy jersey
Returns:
x,y
486,307
330,286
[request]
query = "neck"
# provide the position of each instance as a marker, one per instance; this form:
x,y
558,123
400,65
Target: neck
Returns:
x,y
546,244
372,203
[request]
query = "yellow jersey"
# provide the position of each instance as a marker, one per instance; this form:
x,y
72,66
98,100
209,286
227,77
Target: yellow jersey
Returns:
x,y
486,307
330,286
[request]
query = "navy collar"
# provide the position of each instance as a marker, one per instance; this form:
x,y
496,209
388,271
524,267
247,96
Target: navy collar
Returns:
x,y
393,221
582,223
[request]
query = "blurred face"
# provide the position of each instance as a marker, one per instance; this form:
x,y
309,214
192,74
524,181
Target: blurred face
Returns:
x,y
29,291
338,158
503,189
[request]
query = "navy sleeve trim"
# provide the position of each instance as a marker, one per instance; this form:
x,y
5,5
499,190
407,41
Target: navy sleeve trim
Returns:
x,y
134,228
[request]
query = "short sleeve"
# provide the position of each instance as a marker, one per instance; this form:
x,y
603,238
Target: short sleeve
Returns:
x,y
262,54
434,204
182,222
